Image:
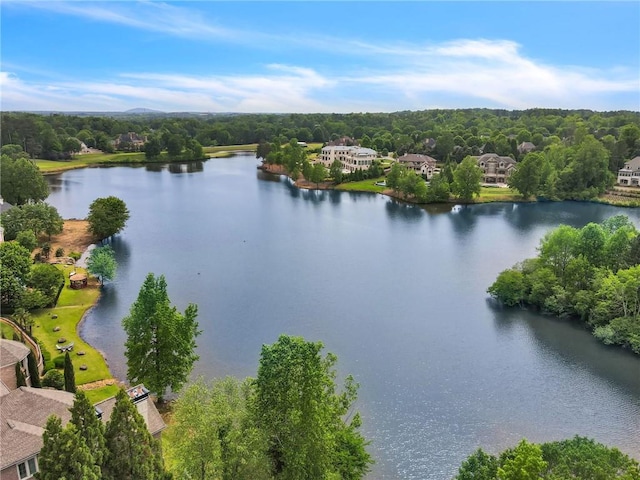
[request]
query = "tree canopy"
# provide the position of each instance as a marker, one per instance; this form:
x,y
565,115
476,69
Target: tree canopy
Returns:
x,y
21,181
161,341
466,179
107,216
102,263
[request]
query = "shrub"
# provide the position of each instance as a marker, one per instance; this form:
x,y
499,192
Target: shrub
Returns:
x,y
27,239
58,362
53,378
60,252
75,255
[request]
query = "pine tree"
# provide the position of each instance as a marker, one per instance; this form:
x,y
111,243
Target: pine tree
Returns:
x,y
64,454
33,371
20,380
131,450
90,428
69,375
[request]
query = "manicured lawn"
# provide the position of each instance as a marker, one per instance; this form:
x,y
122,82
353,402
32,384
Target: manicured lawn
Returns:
x,y
231,148
98,394
72,305
7,331
362,186
498,194
90,159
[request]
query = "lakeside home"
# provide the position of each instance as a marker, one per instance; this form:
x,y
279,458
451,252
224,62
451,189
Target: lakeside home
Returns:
x,y
630,173
421,164
352,158
495,168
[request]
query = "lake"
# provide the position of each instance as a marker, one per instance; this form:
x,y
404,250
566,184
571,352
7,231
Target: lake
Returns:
x,y
397,292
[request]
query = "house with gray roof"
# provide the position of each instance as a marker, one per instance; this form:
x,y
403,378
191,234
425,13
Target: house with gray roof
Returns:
x,y
526,147
629,175
12,353
23,417
421,164
495,168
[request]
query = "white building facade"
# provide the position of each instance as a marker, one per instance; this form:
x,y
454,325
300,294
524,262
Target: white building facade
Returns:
x,y
351,158
630,173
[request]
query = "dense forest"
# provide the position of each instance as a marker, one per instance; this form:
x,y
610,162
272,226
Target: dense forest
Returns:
x,y
444,134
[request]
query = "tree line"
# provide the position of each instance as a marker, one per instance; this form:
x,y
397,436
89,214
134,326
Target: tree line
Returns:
x,y
591,273
444,134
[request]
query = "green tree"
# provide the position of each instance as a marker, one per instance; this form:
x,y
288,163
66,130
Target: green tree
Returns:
x,y
478,466
438,190
89,426
53,378
466,179
298,408
557,247
153,148
15,265
395,175
69,374
213,436
131,450
590,242
64,454
34,374
21,181
102,263
527,174
318,173
107,216
27,239
47,279
21,381
335,171
509,287
175,144
524,462
160,346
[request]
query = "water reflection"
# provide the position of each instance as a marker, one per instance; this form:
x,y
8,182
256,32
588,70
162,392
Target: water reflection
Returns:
x,y
403,211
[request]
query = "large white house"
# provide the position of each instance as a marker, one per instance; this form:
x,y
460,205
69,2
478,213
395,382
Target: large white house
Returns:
x,y
421,164
352,158
630,173
495,168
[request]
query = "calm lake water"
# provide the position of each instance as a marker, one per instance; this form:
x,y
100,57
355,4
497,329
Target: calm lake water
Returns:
x,y
397,292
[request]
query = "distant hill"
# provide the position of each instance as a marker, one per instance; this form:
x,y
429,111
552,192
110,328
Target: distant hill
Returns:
x,y
142,110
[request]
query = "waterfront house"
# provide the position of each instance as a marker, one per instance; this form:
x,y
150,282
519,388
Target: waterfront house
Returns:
x,y
12,353
131,142
352,158
421,164
630,174
526,147
495,168
23,417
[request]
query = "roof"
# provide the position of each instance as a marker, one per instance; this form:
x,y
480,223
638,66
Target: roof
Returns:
x,y
633,164
23,416
416,158
4,206
12,352
144,405
494,157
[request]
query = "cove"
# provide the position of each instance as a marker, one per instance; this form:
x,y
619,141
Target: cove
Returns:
x,y
397,292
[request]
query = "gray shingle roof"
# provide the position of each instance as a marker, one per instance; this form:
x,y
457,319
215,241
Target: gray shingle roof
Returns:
x,y
23,416
145,406
12,352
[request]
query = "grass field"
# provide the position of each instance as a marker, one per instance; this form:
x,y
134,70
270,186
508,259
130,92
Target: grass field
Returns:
x,y
70,309
498,194
362,186
98,394
86,160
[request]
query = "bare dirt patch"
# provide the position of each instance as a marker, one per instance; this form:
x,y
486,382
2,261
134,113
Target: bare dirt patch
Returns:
x,y
75,237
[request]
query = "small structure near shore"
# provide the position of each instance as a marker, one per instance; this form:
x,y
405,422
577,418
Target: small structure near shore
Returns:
x,y
78,281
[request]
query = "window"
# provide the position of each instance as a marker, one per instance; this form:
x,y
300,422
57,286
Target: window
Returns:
x,y
28,469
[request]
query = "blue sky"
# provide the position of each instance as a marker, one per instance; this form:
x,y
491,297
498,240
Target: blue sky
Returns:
x,y
318,56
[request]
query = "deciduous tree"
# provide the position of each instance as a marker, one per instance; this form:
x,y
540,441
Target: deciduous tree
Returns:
x,y
102,263
466,179
160,346
298,408
21,181
107,216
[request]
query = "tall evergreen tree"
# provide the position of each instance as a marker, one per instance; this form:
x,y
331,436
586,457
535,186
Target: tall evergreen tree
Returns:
x,y
89,426
69,374
20,380
64,454
34,374
160,340
131,450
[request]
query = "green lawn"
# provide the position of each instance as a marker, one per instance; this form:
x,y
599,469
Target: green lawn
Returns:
x,y
88,159
98,394
251,147
498,194
362,186
70,309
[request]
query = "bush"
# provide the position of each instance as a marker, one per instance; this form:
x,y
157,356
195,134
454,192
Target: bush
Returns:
x,y
60,252
58,362
75,255
27,239
53,378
